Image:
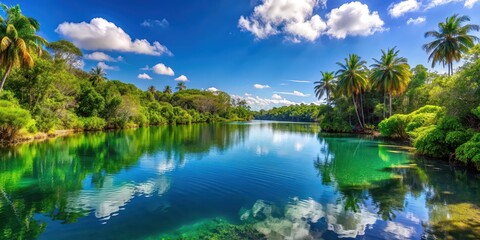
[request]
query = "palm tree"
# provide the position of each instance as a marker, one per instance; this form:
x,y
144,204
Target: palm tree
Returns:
x,y
451,41
152,89
325,86
167,90
391,74
19,40
97,75
181,86
353,81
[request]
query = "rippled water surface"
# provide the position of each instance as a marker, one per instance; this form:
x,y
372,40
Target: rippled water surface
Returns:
x,y
250,180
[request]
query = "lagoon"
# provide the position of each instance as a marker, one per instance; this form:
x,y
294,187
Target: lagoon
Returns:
x,y
258,179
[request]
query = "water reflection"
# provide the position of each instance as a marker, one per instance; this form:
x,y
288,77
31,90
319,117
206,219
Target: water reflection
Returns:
x,y
295,183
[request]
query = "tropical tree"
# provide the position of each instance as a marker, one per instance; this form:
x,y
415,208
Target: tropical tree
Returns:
x,y
167,90
181,86
451,41
152,89
352,81
97,75
66,51
391,74
325,86
19,40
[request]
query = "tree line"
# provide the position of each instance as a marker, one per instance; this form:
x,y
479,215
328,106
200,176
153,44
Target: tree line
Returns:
x,y
43,90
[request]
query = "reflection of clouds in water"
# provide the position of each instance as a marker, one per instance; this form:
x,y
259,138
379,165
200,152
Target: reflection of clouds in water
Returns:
x,y
261,150
410,216
111,198
398,231
294,221
298,146
347,223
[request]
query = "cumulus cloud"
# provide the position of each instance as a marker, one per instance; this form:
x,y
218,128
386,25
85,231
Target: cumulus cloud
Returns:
x,y
144,76
398,9
146,68
155,23
354,19
260,86
276,96
100,34
416,21
100,56
161,69
105,66
294,93
212,89
293,18
470,3
182,78
436,3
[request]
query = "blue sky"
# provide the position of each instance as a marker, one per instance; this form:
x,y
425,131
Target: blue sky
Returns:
x,y
267,51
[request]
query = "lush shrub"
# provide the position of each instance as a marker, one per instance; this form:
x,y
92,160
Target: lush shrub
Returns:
x,y
394,126
12,119
332,120
181,116
94,123
470,151
456,138
403,125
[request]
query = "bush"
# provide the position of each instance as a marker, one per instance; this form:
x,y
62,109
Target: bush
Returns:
x,y
12,119
470,151
394,126
181,116
93,123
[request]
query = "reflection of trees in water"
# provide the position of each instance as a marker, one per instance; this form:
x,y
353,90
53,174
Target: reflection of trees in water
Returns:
x,y
379,173
45,177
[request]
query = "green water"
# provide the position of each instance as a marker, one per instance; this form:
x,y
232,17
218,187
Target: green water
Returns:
x,y
257,180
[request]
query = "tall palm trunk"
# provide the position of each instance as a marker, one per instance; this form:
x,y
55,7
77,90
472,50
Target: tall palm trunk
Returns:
x,y
390,95
361,106
5,75
384,103
356,111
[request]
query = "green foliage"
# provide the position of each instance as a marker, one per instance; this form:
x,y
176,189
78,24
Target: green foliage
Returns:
x,y
401,125
394,126
93,123
90,103
331,120
469,152
12,119
297,113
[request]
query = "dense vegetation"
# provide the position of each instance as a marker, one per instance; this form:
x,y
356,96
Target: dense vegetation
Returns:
x,y
44,91
438,113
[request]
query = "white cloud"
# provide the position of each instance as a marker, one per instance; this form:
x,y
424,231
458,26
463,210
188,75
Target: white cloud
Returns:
x,y
161,69
154,22
79,64
100,34
294,93
293,18
105,66
146,68
300,81
416,21
182,78
276,96
248,94
470,3
212,89
436,3
398,9
354,19
144,76
260,86
100,56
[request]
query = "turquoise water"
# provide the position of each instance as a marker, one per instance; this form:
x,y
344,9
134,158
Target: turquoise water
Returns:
x,y
278,180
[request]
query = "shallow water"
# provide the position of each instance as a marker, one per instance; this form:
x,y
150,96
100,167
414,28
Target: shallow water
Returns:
x,y
283,180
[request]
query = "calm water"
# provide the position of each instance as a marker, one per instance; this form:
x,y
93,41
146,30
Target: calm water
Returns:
x,y
284,179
